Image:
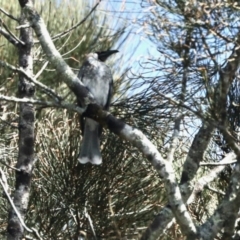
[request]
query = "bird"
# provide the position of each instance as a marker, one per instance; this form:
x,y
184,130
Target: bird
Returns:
x,y
97,78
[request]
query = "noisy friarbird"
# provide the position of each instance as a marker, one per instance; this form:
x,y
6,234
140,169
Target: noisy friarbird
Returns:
x,y
97,77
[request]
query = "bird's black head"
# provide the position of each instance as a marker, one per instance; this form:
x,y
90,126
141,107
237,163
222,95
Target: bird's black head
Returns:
x,y
102,56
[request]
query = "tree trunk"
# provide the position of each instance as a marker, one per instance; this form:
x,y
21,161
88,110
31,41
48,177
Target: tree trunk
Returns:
x,y
25,159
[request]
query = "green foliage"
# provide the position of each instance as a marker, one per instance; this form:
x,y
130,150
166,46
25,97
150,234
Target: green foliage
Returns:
x,y
119,195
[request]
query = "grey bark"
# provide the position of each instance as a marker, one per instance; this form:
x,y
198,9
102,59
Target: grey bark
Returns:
x,y
25,159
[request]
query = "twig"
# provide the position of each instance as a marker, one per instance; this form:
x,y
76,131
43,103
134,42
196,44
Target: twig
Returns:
x,y
65,42
27,25
8,14
9,37
83,39
13,168
3,182
113,216
13,36
44,87
177,103
12,204
217,163
76,25
68,106
4,179
41,70
90,222
215,190
209,177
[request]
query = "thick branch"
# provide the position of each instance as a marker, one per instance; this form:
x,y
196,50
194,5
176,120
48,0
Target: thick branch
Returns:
x,y
196,152
161,221
26,158
227,212
226,76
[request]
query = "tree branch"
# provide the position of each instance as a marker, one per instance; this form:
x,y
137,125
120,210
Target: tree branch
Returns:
x,y
165,216
3,182
61,104
46,89
9,37
11,34
227,211
26,158
174,140
8,14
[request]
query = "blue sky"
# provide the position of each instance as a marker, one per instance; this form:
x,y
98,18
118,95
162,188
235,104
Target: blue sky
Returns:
x,y
137,48
128,12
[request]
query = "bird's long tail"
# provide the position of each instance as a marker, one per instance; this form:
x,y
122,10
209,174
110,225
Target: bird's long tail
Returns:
x,y
90,149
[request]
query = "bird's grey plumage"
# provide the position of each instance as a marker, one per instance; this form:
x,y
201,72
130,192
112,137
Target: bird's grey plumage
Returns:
x,y
97,77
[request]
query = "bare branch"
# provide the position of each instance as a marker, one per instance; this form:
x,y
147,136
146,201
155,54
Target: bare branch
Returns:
x,y
11,34
13,168
41,70
3,182
46,89
210,176
232,142
13,206
9,37
217,163
227,212
68,106
83,39
90,222
8,14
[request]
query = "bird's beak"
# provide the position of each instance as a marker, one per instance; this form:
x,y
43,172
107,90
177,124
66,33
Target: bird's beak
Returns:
x,y
102,56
